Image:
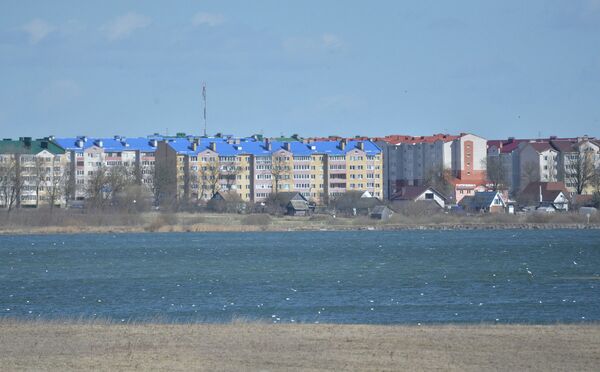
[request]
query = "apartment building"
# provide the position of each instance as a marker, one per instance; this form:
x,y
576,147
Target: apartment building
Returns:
x,y
32,173
86,155
410,161
544,160
319,170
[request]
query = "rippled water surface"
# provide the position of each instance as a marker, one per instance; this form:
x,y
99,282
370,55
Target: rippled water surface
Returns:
x,y
340,277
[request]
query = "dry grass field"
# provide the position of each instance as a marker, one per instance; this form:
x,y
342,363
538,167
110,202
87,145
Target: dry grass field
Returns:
x,y
66,221
254,346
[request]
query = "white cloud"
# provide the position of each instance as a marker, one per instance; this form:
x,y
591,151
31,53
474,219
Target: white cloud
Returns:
x,y
208,19
123,26
37,29
331,41
59,92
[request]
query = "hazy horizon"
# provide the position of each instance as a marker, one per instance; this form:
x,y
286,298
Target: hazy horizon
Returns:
x,y
314,68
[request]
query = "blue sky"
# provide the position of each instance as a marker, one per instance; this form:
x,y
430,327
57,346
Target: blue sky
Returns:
x,y
497,69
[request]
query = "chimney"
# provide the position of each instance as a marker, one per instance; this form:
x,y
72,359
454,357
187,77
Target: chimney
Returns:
x,y
79,143
194,146
361,145
213,146
287,146
99,143
44,144
268,144
153,142
27,141
343,144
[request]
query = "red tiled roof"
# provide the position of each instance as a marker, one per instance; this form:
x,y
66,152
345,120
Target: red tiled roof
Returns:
x,y
509,145
550,190
563,145
541,146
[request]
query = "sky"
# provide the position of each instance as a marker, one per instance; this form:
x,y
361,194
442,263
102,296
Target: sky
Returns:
x,y
316,68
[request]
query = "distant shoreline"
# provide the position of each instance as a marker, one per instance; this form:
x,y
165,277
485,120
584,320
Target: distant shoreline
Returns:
x,y
257,346
208,228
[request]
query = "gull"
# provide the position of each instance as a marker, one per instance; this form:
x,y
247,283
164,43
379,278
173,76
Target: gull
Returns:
x,y
529,272
574,263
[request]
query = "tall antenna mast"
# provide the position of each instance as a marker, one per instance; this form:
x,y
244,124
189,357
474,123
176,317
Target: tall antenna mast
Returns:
x,y
204,99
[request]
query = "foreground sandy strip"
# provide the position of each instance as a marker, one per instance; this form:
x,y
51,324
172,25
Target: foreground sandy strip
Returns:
x,y
254,346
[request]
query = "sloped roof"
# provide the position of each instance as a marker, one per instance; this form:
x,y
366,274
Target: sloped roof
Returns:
x,y
110,144
258,148
481,199
413,192
34,147
563,145
299,205
287,196
550,190
226,195
541,146
379,210
506,146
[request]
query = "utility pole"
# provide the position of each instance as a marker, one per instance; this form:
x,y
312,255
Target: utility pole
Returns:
x,y
204,99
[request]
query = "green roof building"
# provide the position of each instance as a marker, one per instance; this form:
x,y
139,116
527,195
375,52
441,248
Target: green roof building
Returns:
x,y
29,146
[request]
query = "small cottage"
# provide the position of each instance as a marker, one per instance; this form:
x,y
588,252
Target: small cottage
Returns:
x,y
381,212
484,202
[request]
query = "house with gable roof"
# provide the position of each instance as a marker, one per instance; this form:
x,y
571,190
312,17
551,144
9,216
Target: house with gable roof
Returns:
x,y
550,196
485,202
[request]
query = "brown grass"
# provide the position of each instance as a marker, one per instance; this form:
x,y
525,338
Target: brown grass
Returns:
x,y
67,221
253,346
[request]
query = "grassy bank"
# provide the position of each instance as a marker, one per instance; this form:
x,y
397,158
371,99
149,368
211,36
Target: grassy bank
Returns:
x,y
61,221
248,346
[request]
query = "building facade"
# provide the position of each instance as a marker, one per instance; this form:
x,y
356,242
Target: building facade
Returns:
x,y
413,161
85,156
318,170
32,173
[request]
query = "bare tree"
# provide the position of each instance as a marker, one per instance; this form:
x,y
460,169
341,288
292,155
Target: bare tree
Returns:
x,y
41,175
59,183
280,170
529,173
107,185
580,170
210,174
97,188
439,178
497,174
6,169
12,181
165,183
596,179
